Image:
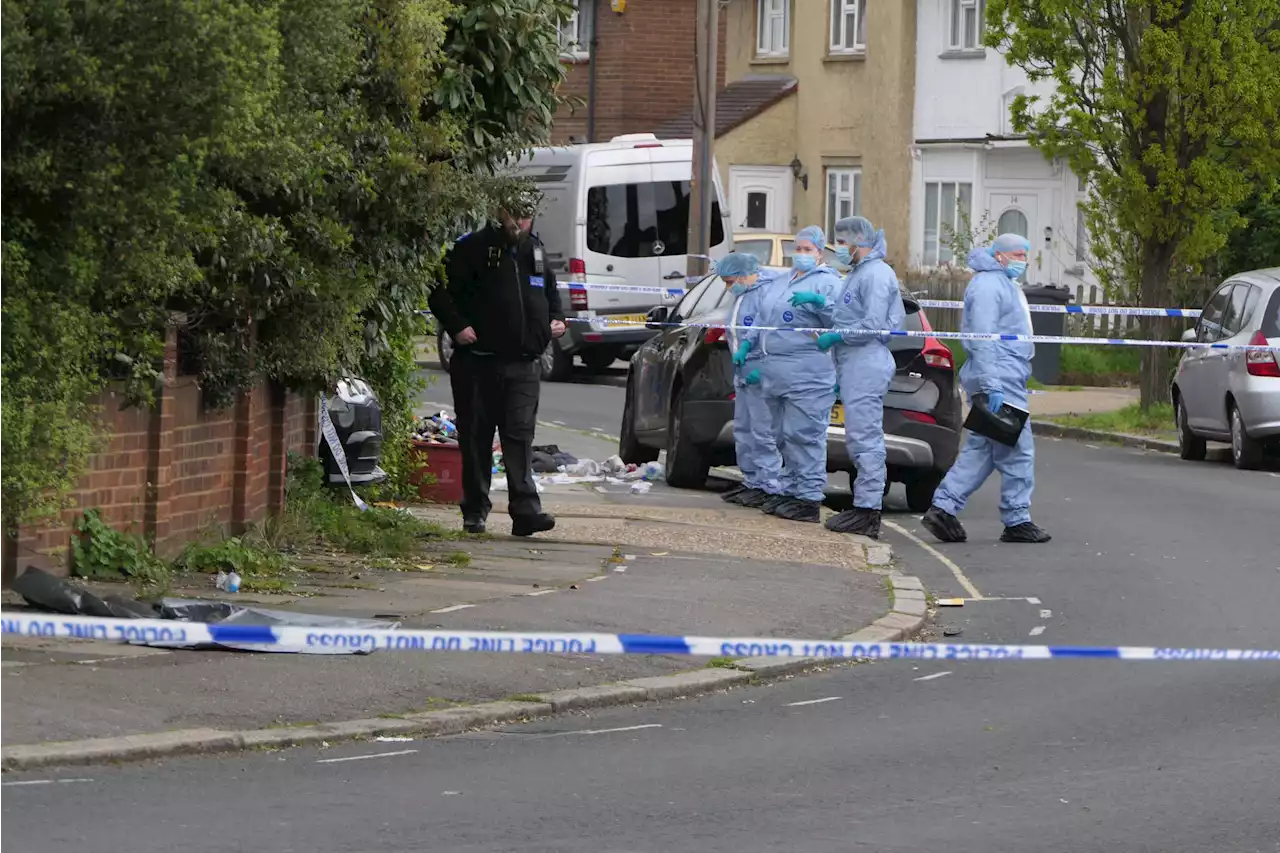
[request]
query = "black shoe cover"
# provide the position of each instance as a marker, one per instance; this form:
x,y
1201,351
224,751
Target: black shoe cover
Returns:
x,y
474,526
863,522
732,493
1027,531
944,525
527,525
797,509
772,503
748,497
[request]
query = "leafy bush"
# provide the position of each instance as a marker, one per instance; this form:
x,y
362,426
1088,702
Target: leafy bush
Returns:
x,y
101,552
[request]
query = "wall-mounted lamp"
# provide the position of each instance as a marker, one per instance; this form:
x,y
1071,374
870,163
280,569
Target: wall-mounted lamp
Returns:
x,y
1048,235
798,172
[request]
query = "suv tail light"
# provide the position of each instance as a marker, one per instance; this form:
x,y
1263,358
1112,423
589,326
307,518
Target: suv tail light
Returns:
x,y
714,335
936,354
1260,362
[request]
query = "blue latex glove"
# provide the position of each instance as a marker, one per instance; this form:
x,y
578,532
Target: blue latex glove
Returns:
x,y
740,357
995,399
827,340
753,378
807,297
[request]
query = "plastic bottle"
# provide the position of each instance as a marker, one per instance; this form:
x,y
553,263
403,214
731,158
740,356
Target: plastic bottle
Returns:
x,y
652,471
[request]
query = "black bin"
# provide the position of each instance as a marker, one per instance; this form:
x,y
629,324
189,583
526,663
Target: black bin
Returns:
x,y
1046,366
357,421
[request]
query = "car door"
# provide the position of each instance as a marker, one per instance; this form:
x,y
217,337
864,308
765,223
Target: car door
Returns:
x,y
704,295
1195,375
649,387
1217,362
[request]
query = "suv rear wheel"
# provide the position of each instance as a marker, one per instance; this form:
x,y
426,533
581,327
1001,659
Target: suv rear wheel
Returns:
x,y
687,466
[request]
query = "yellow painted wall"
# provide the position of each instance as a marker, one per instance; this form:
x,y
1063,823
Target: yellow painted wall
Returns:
x,y
848,110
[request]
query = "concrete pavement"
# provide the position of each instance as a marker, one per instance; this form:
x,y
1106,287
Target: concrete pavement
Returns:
x,y
968,757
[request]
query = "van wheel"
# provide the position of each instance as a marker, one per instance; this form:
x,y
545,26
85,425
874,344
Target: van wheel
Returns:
x,y
557,365
1245,451
1190,445
920,491
687,467
630,450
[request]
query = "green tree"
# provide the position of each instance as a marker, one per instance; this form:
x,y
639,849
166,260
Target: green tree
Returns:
x,y
283,174
1257,244
1171,110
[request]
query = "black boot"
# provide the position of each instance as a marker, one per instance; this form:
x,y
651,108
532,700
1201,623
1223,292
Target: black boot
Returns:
x,y
944,525
863,522
527,525
798,509
473,526
751,498
1027,531
732,493
771,503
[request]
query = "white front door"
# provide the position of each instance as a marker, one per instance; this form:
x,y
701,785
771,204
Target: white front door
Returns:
x,y
760,199
1016,213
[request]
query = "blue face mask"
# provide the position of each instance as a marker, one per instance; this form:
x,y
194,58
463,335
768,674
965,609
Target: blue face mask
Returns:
x,y
737,289
1015,269
804,263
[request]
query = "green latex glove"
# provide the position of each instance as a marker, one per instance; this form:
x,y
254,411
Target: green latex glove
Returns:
x,y
740,357
827,340
753,378
807,297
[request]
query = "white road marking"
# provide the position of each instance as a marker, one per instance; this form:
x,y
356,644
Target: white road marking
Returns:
x,y
932,676
540,592
1046,614
364,757
1093,447
812,702
29,782
940,557
1037,631
452,608
597,578
1033,601
614,731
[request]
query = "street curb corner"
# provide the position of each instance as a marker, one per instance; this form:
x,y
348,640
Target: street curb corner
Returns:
x,y
1140,442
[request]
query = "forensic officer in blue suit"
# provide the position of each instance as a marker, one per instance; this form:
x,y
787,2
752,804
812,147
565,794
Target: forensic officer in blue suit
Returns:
x,y
756,452
994,303
870,301
796,377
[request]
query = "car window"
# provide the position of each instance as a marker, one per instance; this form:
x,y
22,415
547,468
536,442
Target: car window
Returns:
x,y
1233,316
1271,316
788,250
1250,307
643,220
1209,329
710,297
691,297
762,249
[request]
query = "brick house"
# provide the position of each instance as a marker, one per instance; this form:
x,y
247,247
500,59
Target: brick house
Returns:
x,y
644,65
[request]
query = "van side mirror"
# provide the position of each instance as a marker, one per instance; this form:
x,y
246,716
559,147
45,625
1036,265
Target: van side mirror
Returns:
x,y
1189,336
656,317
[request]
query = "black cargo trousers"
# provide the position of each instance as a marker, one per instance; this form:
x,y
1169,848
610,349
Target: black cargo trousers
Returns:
x,y
490,393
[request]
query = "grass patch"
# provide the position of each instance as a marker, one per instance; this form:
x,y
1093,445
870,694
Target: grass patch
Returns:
x,y
722,663
276,585
1156,421
524,697
1081,365
458,558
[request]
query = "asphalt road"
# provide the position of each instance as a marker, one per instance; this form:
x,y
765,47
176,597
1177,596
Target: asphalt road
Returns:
x,y
1048,756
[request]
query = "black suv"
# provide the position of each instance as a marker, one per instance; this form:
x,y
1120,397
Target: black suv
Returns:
x,y
680,399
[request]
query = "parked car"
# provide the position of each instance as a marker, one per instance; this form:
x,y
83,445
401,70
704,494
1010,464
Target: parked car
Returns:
x,y
680,399
1232,395
775,250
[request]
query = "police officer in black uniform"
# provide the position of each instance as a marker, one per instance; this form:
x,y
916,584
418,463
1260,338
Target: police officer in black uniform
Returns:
x,y
501,307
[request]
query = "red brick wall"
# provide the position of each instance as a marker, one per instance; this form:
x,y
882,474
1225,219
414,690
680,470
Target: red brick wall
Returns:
x,y
208,469
645,69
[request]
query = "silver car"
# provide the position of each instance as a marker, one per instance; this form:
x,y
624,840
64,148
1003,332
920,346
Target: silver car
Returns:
x,y
1233,395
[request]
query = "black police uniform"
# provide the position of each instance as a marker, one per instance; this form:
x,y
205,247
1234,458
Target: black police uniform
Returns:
x,y
508,296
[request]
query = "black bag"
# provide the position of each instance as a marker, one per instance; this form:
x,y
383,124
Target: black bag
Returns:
x,y
1004,426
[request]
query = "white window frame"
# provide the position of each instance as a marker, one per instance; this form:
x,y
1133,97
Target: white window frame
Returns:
x,y
767,13
846,13
575,33
955,25
834,195
936,258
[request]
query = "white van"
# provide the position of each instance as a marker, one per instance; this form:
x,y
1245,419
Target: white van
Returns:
x,y
617,213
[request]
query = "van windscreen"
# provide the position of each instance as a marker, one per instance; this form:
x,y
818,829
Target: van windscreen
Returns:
x,y
630,220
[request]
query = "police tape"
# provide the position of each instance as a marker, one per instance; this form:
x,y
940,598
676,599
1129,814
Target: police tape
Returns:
x,y
601,323
156,632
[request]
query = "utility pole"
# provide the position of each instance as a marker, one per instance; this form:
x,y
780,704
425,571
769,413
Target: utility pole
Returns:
x,y
704,135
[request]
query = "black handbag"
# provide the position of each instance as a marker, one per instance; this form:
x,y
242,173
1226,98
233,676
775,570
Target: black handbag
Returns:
x,y
1003,426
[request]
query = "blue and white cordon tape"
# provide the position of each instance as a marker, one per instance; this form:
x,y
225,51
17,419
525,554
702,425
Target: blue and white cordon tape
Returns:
x,y
157,632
